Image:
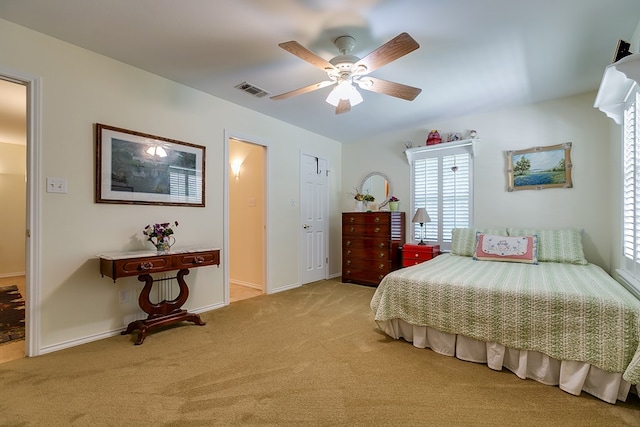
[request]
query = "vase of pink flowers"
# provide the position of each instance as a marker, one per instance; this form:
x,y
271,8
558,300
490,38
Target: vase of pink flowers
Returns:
x,y
394,203
160,235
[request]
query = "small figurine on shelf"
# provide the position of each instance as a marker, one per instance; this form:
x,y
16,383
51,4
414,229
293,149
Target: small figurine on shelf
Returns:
x,y
473,134
434,138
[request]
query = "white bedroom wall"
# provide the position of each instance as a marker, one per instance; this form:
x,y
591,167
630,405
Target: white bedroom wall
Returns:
x,y
573,119
79,89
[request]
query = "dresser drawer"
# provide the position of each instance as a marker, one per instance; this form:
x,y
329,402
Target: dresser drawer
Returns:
x,y
370,218
380,230
382,266
367,253
134,266
363,276
188,260
354,242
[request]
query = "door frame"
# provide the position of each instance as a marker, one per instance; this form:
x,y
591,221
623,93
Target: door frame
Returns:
x,y
33,211
228,134
326,216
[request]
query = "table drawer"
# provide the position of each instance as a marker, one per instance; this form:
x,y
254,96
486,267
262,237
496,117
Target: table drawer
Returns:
x,y
408,262
196,259
134,266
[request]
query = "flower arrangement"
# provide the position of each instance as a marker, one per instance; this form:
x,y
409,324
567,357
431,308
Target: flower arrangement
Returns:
x,y
363,197
394,199
159,231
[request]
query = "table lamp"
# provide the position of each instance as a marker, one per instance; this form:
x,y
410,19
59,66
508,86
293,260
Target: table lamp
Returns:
x,y
421,216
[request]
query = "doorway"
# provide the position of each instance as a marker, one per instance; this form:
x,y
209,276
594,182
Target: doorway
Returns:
x,y
13,195
247,219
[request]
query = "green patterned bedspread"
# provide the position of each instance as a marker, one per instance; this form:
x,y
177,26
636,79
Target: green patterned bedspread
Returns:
x,y
569,312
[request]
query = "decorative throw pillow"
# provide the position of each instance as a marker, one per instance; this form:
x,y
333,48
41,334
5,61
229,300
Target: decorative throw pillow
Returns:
x,y
507,248
556,245
463,240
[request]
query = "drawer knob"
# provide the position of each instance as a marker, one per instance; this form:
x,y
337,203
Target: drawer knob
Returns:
x,y
352,229
146,265
348,251
415,255
382,255
198,260
381,245
348,243
376,230
348,262
381,267
352,219
377,219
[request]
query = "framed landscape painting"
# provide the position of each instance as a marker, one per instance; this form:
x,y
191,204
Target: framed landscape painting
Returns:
x,y
138,168
540,167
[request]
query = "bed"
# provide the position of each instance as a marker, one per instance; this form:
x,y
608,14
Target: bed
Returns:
x,y
539,310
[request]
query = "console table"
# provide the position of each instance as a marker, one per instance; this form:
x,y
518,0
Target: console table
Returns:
x,y
142,263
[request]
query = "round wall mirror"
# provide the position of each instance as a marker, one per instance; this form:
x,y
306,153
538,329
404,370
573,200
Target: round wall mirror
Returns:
x,y
378,185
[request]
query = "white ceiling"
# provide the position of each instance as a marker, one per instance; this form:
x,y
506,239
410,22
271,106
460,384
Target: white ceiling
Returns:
x,y
473,56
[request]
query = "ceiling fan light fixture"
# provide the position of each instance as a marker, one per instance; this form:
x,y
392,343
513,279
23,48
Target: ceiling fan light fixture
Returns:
x,y
344,90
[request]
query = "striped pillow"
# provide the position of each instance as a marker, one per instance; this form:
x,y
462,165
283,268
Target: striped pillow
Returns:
x,y
556,245
463,240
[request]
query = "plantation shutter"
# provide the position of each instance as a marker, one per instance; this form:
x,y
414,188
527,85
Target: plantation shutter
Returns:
x,y
184,183
631,187
442,184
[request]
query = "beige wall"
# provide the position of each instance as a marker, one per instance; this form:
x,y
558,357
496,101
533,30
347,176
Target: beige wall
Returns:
x,y
12,210
587,205
79,89
247,214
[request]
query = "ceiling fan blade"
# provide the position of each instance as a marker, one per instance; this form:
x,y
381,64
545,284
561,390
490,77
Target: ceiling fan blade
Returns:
x,y
302,90
344,106
389,88
303,53
390,51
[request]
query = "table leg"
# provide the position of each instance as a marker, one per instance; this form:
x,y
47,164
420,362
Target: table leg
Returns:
x,y
163,313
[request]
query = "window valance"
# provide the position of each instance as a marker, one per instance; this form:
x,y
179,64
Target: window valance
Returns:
x,y
617,82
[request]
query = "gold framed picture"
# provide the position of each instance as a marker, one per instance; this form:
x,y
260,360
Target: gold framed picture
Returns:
x,y
540,167
142,169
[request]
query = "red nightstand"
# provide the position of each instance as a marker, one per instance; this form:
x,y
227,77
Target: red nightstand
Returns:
x,y
415,254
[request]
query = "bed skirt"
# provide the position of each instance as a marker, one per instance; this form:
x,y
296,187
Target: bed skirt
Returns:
x,y
571,376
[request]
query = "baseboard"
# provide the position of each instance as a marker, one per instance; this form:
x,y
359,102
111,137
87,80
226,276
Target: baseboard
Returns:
x,y
109,334
245,284
79,341
7,275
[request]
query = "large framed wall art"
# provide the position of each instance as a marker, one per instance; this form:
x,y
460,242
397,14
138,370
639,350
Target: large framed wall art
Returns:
x,y
138,168
540,167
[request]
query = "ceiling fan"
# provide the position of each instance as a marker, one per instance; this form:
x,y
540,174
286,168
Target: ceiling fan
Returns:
x,y
345,69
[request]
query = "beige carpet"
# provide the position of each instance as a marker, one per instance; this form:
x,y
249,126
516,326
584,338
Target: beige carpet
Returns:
x,y
310,356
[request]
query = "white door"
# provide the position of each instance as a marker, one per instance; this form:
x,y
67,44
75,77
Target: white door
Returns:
x,y
313,218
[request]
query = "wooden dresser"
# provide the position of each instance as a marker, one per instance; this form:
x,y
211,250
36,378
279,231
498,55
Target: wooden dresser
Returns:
x,y
370,245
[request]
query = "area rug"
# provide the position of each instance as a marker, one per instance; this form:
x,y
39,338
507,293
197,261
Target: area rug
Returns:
x,y
11,314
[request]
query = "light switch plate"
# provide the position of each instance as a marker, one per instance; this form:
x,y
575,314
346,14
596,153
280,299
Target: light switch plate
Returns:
x,y
56,185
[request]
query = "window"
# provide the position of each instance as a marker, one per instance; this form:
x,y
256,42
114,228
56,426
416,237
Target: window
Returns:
x,y
630,264
441,182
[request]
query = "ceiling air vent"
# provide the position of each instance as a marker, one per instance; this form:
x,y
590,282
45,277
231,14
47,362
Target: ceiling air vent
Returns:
x,y
252,89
